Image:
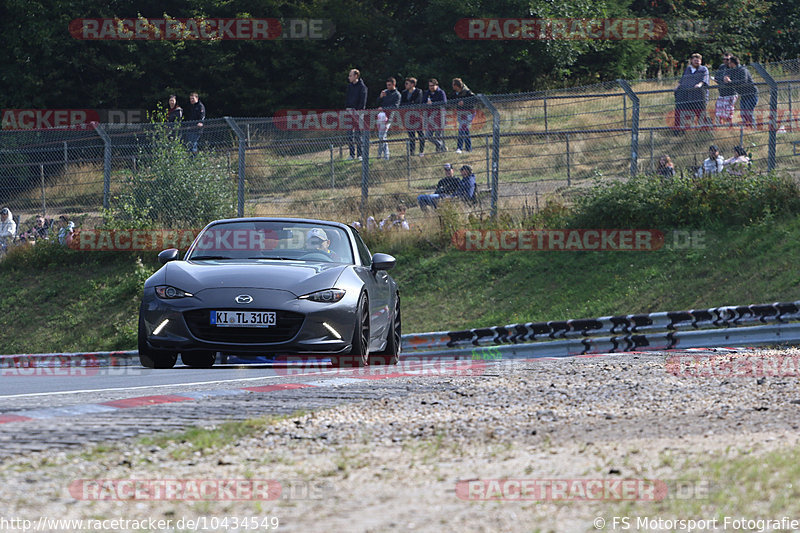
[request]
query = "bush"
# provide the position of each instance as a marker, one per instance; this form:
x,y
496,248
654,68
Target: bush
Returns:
x,y
719,199
174,188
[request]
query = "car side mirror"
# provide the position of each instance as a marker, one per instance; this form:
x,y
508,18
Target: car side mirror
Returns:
x,y
383,262
168,255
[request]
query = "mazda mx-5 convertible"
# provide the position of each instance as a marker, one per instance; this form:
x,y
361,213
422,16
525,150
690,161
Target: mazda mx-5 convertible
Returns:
x,y
271,286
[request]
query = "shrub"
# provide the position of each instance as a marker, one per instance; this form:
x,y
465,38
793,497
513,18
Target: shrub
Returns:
x,y
719,199
173,188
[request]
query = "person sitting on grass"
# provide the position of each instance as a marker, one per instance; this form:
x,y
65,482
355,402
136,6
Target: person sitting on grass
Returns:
x,y
713,164
396,220
65,231
665,167
737,165
39,231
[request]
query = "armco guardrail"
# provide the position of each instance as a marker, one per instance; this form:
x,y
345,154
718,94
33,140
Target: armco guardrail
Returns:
x,y
654,331
743,325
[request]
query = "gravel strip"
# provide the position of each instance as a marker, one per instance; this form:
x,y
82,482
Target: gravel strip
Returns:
x,y
392,463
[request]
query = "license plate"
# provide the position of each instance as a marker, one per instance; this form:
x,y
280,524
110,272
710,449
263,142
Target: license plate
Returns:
x,y
243,319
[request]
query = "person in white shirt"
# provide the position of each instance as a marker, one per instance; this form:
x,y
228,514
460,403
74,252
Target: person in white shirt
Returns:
x,y
383,130
713,164
8,228
736,166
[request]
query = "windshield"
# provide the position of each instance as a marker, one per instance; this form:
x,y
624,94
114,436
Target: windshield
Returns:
x,y
270,240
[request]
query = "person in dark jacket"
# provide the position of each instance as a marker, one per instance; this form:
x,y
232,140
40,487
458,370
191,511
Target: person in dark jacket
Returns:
x,y
435,99
411,99
743,84
356,101
691,94
727,95
465,112
390,97
194,120
174,115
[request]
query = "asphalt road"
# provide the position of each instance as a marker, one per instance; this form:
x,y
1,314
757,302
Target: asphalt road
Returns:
x,y
63,407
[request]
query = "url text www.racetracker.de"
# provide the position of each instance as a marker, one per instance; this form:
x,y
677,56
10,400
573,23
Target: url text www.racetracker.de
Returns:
x,y
727,523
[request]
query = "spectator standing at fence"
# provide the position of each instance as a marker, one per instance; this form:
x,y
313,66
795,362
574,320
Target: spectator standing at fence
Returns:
x,y
743,84
355,101
412,96
665,167
8,228
691,94
65,231
713,164
465,112
727,94
194,119
174,111
383,132
737,165
435,98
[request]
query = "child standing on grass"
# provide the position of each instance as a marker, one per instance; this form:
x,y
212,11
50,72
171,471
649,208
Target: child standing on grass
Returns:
x,y
383,129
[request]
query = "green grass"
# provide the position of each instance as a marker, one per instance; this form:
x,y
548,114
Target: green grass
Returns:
x,y
62,300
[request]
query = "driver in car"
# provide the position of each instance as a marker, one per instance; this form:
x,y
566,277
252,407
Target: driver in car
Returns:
x,y
318,241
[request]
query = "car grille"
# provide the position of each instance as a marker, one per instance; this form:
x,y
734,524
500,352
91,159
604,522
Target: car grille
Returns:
x,y
288,324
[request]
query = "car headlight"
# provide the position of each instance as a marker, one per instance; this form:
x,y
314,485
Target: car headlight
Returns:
x,y
327,296
168,292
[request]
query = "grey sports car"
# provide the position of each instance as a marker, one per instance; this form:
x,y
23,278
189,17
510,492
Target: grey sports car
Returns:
x,y
271,286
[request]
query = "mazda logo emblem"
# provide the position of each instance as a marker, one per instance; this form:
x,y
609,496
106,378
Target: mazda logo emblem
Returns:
x,y
244,299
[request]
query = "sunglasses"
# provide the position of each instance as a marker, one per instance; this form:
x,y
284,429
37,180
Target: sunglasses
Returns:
x,y
315,240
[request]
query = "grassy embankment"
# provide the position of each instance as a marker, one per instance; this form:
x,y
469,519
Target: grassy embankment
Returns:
x,y
62,300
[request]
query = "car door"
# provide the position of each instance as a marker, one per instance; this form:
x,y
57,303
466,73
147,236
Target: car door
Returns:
x,y
379,291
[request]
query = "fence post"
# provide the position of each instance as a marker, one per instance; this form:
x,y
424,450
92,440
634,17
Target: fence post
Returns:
x,y
242,146
44,202
773,115
624,111
545,114
634,125
741,135
333,170
789,85
408,162
569,172
364,174
652,148
495,150
66,157
488,165
106,163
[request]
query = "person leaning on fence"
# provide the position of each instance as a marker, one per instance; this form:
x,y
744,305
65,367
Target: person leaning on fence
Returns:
x,y
8,228
691,95
412,96
713,164
465,113
665,168
727,94
737,165
195,118
742,82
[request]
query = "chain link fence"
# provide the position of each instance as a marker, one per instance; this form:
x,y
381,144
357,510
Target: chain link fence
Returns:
x,y
523,148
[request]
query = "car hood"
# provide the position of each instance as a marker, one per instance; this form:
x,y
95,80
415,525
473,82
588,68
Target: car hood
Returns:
x,y
296,277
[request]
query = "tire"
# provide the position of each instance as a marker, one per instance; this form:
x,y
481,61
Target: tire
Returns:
x,y
390,355
359,353
151,358
204,359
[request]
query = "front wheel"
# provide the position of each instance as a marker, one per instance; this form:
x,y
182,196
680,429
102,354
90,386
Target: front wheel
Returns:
x,y
390,355
359,354
151,358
